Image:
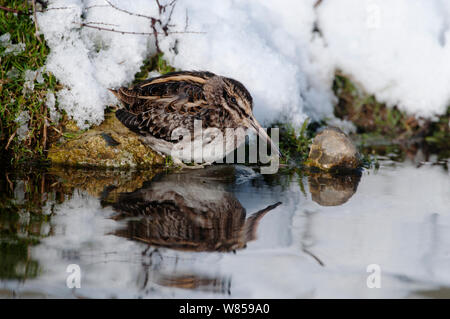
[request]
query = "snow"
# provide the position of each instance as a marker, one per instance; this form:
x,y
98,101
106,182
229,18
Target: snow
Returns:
x,y
87,61
13,74
51,105
396,50
285,52
30,77
10,48
22,120
262,44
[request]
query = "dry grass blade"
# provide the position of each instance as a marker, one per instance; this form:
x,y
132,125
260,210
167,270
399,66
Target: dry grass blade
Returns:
x,y
35,21
10,139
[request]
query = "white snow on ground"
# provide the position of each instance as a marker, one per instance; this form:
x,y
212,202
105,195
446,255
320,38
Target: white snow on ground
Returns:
x,y
262,44
10,48
88,61
396,50
22,119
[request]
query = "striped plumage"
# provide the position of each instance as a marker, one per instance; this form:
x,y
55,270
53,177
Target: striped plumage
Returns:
x,y
188,211
156,108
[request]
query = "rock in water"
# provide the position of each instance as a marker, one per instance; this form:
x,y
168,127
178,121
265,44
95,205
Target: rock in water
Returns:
x,y
332,149
109,145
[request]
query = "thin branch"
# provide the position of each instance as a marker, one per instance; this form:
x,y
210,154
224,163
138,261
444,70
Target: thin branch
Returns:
x,y
319,261
96,6
56,8
154,21
166,26
128,12
12,10
160,7
135,33
102,23
114,30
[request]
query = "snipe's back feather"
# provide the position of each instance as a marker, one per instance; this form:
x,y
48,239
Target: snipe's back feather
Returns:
x,y
159,105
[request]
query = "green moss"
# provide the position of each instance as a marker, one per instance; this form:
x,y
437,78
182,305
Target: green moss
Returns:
x,y
12,100
294,142
371,116
154,63
377,122
367,113
439,139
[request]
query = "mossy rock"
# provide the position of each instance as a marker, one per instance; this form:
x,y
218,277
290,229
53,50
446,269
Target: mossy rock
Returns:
x,y
331,150
109,145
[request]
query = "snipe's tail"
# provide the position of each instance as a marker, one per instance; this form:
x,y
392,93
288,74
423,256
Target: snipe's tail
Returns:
x,y
124,95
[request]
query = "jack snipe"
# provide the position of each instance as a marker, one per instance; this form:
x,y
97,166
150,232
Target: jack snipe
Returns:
x,y
164,111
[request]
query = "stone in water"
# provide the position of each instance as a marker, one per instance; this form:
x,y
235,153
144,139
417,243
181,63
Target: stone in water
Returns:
x,y
333,149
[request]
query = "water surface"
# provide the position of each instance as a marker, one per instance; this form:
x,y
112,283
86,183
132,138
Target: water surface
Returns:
x,y
222,232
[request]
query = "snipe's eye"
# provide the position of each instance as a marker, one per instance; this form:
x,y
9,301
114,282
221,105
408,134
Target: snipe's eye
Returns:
x,y
233,100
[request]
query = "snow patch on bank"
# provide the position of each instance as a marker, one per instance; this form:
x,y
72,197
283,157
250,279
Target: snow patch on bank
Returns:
x,y
266,45
22,120
397,50
88,61
284,52
10,48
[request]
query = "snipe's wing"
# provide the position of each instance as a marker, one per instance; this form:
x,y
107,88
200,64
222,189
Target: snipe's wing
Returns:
x,y
160,105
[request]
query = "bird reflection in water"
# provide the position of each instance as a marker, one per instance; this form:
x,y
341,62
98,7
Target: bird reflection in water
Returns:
x,y
188,211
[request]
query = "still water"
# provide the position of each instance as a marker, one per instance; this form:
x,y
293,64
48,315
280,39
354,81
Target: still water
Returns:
x,y
227,232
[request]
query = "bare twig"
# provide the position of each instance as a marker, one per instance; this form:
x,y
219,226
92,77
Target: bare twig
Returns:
x,y
133,32
153,21
319,261
12,10
160,7
318,2
102,23
34,10
96,6
166,26
10,139
128,12
55,8
114,30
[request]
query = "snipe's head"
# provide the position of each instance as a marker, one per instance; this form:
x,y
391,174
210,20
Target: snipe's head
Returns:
x,y
236,99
